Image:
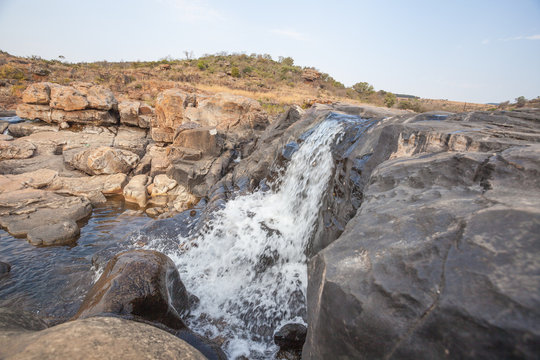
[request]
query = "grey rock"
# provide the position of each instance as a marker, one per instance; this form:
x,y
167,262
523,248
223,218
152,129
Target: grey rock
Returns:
x,y
61,233
4,268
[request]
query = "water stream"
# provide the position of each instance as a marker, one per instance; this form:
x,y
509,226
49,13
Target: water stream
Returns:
x,y
248,264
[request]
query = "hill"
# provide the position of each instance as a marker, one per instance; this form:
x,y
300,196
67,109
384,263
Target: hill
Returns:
x,y
274,83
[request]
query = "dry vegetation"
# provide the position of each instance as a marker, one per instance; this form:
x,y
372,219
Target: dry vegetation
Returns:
x,y
274,83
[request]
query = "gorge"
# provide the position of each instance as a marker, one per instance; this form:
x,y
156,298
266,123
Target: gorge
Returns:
x,y
388,234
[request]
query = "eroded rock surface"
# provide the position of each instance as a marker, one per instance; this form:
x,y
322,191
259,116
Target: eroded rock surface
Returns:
x,y
95,338
439,259
140,283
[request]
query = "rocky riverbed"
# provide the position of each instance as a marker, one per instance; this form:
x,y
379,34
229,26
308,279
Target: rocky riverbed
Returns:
x,y
388,234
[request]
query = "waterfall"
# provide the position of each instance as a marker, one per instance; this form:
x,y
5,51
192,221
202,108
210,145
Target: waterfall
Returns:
x,y
248,264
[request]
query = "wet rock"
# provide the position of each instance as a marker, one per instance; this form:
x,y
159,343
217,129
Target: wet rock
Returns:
x,y
289,150
17,149
61,233
105,160
67,98
291,337
3,126
139,283
135,191
26,209
162,185
4,268
441,249
96,338
11,320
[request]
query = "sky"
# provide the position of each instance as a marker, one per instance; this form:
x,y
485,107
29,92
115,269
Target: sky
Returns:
x,y
474,50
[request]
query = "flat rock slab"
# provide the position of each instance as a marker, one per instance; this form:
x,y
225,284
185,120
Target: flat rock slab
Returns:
x,y
26,209
62,233
96,339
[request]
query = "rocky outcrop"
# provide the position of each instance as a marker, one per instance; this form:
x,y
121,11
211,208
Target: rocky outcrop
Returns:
x,y
23,336
81,103
139,283
25,211
439,259
104,160
134,113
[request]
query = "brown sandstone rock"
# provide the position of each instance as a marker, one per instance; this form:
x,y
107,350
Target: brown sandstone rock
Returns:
x,y
25,209
16,149
129,112
89,116
67,98
105,160
28,128
203,139
135,190
37,93
93,339
169,111
132,139
32,112
98,97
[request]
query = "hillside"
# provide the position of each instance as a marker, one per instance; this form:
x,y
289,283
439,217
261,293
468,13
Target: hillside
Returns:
x,y
275,84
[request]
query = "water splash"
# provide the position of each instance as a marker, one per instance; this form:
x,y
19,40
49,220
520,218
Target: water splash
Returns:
x,y
248,264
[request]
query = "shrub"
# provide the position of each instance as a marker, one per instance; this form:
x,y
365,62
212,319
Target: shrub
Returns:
x,y
11,72
389,99
413,105
521,101
363,88
235,72
202,65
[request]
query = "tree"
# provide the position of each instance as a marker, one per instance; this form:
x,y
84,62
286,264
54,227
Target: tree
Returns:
x,y
363,88
389,99
521,101
289,61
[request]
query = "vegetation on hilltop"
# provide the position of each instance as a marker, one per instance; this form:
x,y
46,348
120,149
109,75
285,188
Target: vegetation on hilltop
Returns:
x,y
274,83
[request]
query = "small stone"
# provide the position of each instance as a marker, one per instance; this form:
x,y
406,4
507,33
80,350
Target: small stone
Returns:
x,y
291,337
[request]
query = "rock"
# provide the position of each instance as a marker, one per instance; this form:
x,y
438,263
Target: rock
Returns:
x,y
61,233
289,150
13,321
170,105
94,188
140,283
32,112
131,139
96,339
98,97
159,159
4,268
25,209
203,139
37,93
3,126
165,135
135,190
162,185
28,128
89,116
64,125
105,160
291,337
439,260
16,150
145,109
311,75
129,112
67,98
36,179
228,112
145,121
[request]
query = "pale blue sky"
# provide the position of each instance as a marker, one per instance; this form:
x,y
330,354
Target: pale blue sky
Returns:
x,y
482,51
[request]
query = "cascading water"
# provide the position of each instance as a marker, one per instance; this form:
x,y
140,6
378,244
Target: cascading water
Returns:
x,y
248,264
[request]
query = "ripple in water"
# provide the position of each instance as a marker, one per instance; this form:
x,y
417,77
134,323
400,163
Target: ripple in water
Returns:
x,y
248,264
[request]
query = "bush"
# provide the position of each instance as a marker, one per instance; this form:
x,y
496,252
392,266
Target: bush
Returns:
x,y
363,88
413,105
389,99
521,101
235,72
202,65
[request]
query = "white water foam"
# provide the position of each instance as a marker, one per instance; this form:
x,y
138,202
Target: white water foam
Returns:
x,y
248,264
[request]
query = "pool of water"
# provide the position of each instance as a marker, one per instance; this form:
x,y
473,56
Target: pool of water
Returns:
x,y
53,281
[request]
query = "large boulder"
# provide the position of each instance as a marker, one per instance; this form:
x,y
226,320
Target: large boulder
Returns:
x,y
439,260
142,284
135,191
203,139
88,117
170,105
17,149
32,112
98,97
105,160
37,93
67,98
96,338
